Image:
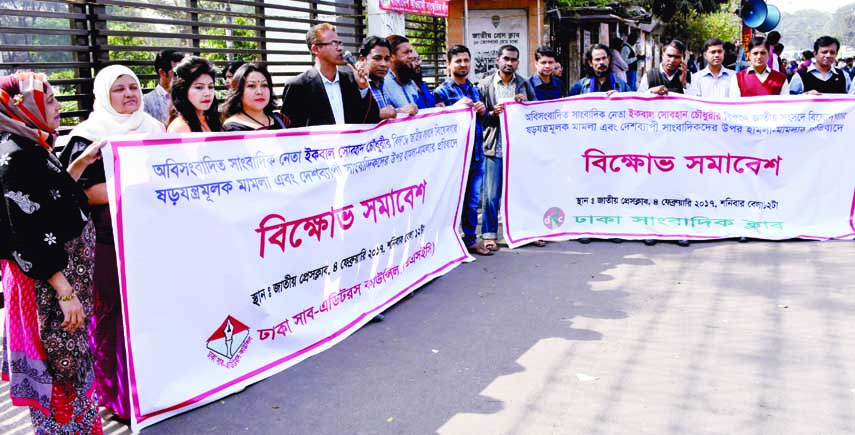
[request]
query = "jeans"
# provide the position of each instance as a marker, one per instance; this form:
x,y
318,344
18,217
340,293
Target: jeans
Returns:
x,y
632,80
471,200
492,193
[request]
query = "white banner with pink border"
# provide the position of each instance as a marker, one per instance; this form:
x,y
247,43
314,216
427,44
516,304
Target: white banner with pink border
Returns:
x,y
637,167
242,254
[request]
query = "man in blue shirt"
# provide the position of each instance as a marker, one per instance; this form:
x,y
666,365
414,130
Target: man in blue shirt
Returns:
x,y
458,90
599,59
402,90
546,87
424,98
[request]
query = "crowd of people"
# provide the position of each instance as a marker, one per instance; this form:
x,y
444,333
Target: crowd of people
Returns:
x,y
64,342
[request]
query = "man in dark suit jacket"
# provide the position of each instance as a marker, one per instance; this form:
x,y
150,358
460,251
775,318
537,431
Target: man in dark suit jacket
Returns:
x,y
326,94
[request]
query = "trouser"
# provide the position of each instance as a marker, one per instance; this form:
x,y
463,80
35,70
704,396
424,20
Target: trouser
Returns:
x,y
492,192
471,200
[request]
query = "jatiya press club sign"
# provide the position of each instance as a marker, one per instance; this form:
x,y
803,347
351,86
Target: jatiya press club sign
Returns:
x,y
435,8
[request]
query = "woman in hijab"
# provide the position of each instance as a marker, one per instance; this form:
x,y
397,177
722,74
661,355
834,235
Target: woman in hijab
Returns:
x,y
46,252
194,102
118,111
250,104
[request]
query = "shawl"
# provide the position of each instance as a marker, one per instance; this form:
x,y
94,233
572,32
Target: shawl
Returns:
x,y
104,120
23,99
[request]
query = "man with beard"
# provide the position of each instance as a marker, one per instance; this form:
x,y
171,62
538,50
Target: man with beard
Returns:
x,y
401,87
672,74
458,90
424,99
603,81
375,54
822,77
503,86
325,94
714,80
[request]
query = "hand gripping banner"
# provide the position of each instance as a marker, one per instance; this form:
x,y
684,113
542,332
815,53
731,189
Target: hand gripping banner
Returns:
x,y
241,254
679,168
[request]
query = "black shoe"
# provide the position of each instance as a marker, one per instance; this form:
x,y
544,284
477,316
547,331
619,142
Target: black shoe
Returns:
x,y
616,240
743,239
683,243
378,318
649,242
585,240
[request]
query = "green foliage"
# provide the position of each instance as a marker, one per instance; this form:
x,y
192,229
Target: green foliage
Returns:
x,y
694,28
585,3
234,45
62,90
669,9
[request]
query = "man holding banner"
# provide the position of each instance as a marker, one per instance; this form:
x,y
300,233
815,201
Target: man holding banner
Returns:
x,y
759,79
403,90
458,90
714,80
672,74
503,86
822,77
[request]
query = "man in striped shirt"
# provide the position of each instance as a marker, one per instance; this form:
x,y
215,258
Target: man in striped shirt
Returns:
x,y
375,53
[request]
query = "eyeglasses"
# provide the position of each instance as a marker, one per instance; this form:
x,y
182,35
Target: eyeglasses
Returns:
x,y
335,43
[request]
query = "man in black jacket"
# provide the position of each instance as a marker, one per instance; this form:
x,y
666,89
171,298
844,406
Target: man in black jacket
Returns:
x,y
325,94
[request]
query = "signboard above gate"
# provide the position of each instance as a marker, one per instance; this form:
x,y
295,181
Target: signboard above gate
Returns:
x,y
435,8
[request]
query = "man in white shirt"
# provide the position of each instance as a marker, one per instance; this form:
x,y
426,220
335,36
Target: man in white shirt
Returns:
x,y
325,94
822,77
156,102
759,79
714,80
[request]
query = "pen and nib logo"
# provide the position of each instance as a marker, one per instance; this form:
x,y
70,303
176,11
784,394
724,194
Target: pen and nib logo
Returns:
x,y
553,218
229,338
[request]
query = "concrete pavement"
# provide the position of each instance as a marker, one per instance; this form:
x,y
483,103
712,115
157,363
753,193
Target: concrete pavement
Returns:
x,y
605,338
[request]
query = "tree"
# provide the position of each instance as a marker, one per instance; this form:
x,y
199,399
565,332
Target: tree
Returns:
x,y
694,28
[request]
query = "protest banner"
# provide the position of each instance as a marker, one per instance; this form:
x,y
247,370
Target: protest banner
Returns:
x,y
241,254
639,167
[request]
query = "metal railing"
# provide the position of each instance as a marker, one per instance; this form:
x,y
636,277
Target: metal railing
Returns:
x,y
71,40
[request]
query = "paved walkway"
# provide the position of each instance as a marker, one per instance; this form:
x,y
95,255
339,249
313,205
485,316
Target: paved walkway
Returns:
x,y
605,338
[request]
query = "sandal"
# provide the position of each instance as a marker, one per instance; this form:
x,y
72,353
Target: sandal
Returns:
x,y
491,245
539,243
477,249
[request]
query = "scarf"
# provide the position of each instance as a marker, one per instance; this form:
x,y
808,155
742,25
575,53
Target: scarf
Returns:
x,y
104,120
23,99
